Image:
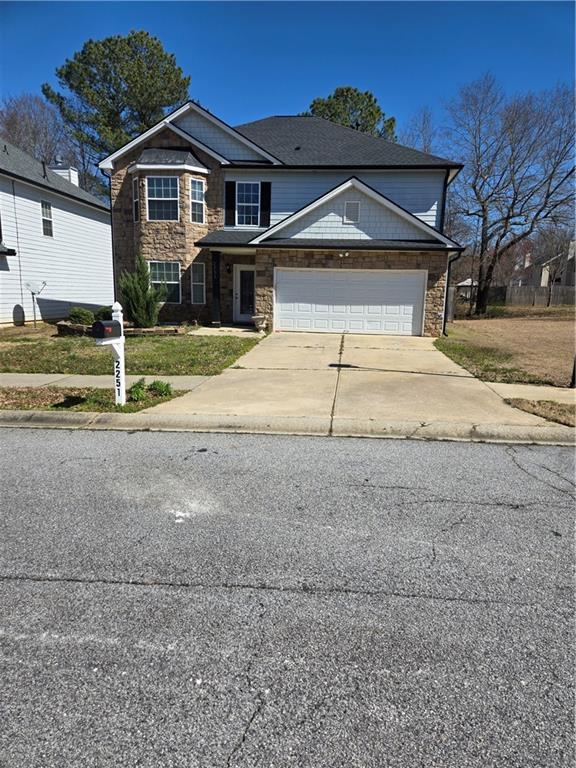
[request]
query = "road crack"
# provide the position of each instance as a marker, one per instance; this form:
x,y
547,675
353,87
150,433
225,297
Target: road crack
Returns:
x,y
299,590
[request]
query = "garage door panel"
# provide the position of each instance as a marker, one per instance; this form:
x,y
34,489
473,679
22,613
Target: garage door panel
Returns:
x,y
343,301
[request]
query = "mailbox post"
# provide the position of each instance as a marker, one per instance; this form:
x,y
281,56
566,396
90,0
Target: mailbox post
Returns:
x,y
111,333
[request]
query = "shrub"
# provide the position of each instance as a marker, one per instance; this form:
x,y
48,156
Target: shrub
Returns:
x,y
81,316
141,301
137,391
103,313
160,388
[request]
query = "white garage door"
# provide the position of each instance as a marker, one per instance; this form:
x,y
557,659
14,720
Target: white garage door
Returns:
x,y
354,301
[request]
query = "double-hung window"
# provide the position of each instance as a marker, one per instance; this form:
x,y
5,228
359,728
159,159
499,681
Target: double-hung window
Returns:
x,y
248,203
198,283
166,273
135,199
47,227
162,193
197,201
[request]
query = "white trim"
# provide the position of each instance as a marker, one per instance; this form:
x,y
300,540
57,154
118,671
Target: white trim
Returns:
x,y
236,317
230,131
168,122
183,167
193,283
173,282
328,269
203,201
360,186
135,199
247,181
49,218
177,198
347,220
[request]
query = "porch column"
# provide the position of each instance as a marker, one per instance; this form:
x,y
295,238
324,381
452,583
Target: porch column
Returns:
x,y
216,289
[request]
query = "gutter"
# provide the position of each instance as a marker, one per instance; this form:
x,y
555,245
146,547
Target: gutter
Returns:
x,y
448,273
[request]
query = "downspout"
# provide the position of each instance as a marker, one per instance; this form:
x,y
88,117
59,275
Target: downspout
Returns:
x,y
448,273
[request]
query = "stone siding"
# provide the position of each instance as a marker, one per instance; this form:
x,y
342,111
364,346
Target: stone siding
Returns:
x,y
166,240
434,263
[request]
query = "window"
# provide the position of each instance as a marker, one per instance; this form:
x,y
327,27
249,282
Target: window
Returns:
x,y
162,198
248,203
351,212
198,284
136,199
47,228
166,273
197,202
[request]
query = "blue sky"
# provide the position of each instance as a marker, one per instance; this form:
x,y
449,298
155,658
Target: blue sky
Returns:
x,y
250,60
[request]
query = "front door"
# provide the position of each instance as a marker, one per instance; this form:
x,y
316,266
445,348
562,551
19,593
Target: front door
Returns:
x,y
244,279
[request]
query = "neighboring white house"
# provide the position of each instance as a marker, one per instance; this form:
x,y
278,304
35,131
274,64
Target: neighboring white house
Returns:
x,y
52,232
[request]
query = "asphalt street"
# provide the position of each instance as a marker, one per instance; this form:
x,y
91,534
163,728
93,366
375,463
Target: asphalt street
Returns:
x,y
179,599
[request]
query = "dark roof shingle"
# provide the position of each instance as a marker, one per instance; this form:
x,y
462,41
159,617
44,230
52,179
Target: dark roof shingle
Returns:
x,y
15,162
305,140
227,237
168,157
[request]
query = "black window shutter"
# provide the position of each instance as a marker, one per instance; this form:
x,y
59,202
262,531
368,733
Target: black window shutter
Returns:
x,y
265,197
230,204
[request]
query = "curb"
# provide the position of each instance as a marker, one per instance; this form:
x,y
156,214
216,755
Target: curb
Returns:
x,y
287,425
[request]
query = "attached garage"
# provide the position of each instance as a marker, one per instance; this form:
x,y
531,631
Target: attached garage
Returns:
x,y
353,301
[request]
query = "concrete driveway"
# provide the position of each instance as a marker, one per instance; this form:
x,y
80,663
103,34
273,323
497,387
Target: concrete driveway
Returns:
x,y
344,379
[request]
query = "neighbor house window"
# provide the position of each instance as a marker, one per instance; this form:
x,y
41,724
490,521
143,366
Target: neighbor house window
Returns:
x,y
351,212
47,228
248,203
166,273
136,199
198,284
197,201
162,198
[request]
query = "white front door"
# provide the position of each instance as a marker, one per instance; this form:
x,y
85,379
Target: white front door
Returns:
x,y
244,293
350,301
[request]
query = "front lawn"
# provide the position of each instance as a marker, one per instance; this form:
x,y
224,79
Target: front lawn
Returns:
x,y
528,348
148,355
74,399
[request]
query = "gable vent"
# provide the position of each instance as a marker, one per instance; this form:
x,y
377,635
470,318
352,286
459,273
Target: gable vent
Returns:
x,y
351,212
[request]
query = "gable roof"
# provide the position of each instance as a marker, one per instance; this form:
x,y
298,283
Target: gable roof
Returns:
x,y
299,141
168,122
306,140
20,165
361,186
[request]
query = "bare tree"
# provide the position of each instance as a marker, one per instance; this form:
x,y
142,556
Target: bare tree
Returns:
x,y
551,248
36,127
32,125
420,132
518,173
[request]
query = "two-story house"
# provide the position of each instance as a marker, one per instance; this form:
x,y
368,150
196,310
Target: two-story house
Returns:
x,y
316,226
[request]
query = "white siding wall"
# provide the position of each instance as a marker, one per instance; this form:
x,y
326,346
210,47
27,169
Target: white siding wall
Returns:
x,y
76,263
420,192
375,222
215,138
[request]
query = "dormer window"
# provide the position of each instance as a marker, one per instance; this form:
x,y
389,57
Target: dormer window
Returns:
x,y
248,203
351,212
162,198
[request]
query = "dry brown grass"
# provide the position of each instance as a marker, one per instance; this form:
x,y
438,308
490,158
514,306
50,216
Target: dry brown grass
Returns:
x,y
562,413
542,346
